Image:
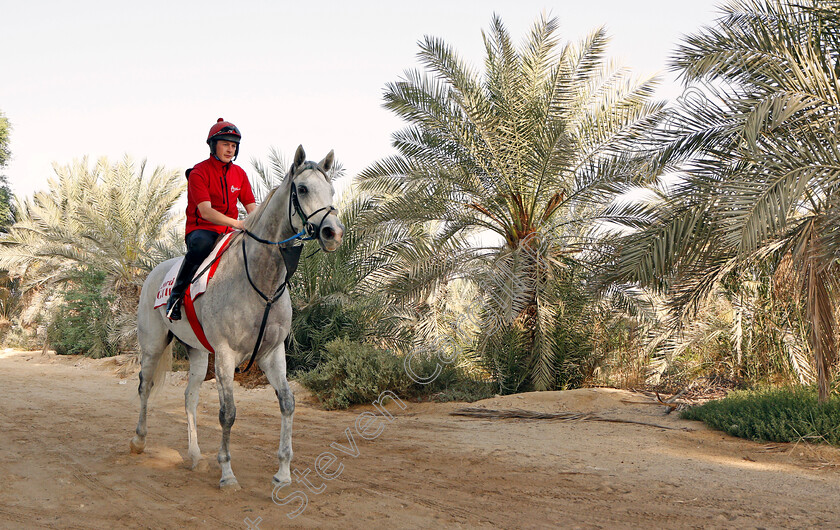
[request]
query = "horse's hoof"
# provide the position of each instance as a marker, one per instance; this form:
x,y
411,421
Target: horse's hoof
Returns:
x,y
230,485
137,445
194,461
280,483
198,464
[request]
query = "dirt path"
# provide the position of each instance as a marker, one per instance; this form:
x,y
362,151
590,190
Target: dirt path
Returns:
x,y
65,424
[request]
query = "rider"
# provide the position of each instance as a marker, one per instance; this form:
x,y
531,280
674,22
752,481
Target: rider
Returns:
x,y
213,188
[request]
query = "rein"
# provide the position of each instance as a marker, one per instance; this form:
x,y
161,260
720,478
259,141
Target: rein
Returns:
x,y
290,255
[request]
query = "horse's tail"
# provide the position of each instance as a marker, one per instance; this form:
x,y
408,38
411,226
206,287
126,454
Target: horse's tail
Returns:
x,y
163,367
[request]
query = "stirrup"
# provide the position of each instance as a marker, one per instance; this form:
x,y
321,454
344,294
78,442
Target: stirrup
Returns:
x,y
173,309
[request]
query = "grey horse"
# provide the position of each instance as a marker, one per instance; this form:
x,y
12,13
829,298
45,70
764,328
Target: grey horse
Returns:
x,y
234,306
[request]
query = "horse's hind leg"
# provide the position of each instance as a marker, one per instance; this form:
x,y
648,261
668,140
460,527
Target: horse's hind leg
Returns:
x,y
274,367
227,415
154,348
198,368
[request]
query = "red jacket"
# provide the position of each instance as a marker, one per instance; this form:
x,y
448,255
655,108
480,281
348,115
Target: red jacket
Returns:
x,y
222,185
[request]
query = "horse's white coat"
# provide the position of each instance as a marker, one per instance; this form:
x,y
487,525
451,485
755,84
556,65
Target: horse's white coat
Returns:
x,y
231,311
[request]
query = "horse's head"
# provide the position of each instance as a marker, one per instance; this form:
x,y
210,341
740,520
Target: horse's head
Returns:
x,y
311,200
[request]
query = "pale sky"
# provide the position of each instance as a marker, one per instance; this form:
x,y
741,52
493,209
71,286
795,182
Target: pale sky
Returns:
x,y
148,79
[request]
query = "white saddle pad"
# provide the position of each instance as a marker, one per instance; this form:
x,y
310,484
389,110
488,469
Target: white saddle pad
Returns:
x,y
199,285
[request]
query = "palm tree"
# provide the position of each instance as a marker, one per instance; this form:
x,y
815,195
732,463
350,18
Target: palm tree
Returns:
x,y
756,138
5,127
502,175
7,211
109,218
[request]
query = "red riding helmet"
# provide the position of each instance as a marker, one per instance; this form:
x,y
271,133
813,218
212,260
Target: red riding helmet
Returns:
x,y
223,130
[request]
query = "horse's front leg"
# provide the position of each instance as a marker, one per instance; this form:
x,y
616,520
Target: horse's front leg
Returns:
x,y
198,369
225,360
274,367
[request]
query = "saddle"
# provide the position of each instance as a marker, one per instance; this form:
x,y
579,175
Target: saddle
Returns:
x,y
197,287
201,278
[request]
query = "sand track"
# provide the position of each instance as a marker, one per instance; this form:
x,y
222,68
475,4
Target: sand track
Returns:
x,y
65,423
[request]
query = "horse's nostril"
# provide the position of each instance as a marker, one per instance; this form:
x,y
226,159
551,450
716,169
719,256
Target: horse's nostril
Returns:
x,y
327,233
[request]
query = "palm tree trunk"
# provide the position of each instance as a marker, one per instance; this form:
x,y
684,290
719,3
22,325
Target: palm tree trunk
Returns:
x,y
820,315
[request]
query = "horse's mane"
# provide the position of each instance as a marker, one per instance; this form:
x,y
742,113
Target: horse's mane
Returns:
x,y
254,216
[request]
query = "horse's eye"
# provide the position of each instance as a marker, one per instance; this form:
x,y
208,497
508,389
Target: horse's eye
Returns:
x,y
302,189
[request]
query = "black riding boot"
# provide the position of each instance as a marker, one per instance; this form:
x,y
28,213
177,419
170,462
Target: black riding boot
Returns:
x,y
173,305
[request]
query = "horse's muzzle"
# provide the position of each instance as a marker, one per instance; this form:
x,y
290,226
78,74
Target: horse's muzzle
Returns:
x,y
331,235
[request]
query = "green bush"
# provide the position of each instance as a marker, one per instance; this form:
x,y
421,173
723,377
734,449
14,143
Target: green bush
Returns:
x,y
314,326
505,356
20,337
778,415
462,389
512,355
354,373
80,324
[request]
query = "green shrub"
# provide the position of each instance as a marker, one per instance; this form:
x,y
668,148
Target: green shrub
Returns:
x,y
505,356
80,324
22,338
314,326
452,383
461,389
778,415
555,354
354,373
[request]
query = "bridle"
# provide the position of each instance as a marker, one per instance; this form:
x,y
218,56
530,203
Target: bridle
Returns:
x,y
310,230
290,254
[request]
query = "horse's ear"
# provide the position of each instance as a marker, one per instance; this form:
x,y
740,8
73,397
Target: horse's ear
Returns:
x,y
327,162
300,156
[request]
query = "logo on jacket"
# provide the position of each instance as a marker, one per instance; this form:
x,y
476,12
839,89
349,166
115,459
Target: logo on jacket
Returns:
x,y
234,189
